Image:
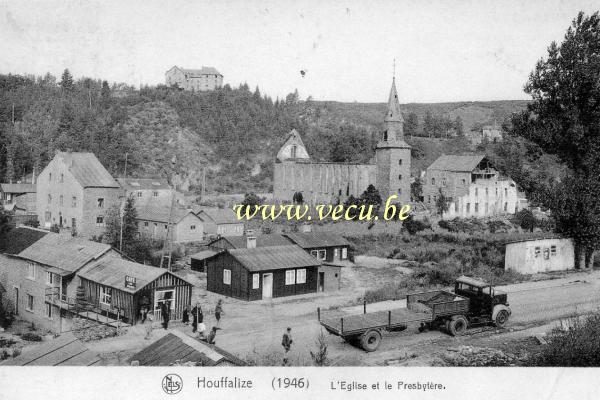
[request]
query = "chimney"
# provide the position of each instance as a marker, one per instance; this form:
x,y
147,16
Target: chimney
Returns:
x,y
306,228
250,241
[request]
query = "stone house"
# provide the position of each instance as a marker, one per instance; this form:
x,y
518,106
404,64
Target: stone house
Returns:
x,y
186,226
220,222
199,80
144,190
472,187
75,191
531,256
22,195
36,264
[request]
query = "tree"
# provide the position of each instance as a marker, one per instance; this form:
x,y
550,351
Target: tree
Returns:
x,y
564,120
428,124
411,126
251,199
525,219
458,125
298,198
352,201
371,197
66,81
416,189
442,204
105,94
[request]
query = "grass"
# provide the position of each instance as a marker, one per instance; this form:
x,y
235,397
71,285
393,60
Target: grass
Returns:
x,y
438,258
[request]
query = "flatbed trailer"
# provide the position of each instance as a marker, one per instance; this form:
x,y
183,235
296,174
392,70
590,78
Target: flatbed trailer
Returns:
x,y
429,309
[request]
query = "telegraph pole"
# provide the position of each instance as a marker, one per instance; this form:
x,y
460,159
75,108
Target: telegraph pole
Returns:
x,y
123,210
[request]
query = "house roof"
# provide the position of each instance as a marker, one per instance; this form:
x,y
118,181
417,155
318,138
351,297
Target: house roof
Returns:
x,y
111,271
199,72
20,238
311,240
176,346
87,170
66,350
472,281
133,184
273,257
458,163
18,187
218,215
64,252
161,212
239,242
203,255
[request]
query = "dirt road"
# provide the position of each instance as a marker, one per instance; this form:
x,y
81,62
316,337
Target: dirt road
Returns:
x,y
531,302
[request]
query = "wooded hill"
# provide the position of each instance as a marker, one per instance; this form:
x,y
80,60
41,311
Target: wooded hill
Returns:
x,y
233,133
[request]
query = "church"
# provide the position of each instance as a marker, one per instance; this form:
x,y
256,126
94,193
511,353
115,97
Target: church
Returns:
x,y
322,182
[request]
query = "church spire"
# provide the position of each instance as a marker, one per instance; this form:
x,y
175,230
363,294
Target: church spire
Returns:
x,y
393,108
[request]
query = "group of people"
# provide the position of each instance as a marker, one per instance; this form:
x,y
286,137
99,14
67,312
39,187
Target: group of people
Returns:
x,y
198,321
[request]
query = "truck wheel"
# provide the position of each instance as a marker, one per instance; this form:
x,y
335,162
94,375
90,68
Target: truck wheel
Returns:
x,y
370,340
458,326
501,318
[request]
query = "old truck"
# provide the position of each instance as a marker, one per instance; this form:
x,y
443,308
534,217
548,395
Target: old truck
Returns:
x,y
473,303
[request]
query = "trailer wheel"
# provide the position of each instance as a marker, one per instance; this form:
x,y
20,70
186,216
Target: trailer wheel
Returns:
x,y
458,326
370,340
501,318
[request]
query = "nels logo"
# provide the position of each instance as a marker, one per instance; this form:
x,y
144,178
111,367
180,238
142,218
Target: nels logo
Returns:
x,y
172,384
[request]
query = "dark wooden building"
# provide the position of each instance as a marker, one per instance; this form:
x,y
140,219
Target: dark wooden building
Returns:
x,y
324,246
124,287
177,347
262,272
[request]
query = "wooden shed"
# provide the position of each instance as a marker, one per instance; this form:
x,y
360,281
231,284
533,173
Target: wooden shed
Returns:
x,y
123,287
263,272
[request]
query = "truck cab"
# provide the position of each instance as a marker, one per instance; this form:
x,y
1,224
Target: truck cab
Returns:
x,y
486,304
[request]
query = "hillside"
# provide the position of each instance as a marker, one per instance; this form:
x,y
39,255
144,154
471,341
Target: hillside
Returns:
x,y
232,133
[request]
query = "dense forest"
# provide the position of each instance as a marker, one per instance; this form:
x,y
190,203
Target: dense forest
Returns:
x,y
231,133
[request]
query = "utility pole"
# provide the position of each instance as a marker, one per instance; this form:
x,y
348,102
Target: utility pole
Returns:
x,y
123,209
168,237
203,183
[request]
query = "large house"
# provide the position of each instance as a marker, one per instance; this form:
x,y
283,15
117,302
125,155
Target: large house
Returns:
x,y
471,186
199,80
43,274
75,191
333,182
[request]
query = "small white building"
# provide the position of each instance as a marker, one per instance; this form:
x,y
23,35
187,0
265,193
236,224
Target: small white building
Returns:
x,y
531,256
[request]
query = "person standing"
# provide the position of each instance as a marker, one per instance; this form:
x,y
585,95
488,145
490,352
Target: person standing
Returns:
x,y
149,327
197,317
186,316
286,342
165,311
219,311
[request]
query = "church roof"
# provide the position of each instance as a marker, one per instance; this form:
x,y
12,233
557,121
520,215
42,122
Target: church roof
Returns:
x,y
393,107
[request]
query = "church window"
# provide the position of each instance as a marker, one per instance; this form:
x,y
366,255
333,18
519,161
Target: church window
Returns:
x,y
399,191
399,162
294,150
468,208
385,135
400,177
429,199
347,190
433,181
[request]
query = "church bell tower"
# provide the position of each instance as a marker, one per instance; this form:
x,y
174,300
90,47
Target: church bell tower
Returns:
x,y
393,154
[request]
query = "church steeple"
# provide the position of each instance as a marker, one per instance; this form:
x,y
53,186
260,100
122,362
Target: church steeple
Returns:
x,y
393,108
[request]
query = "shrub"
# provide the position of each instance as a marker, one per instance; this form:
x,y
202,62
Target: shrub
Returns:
x,y
319,357
573,344
413,226
31,337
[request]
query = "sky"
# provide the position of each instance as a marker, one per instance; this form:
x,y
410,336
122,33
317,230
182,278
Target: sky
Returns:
x,y
443,50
